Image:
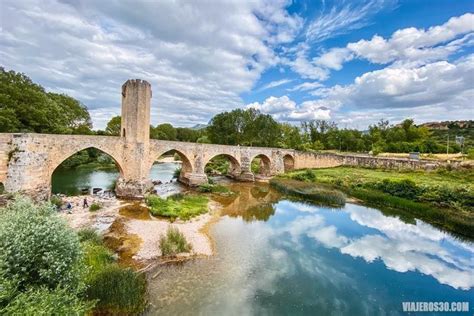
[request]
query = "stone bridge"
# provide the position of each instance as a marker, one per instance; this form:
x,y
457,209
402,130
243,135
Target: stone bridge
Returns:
x,y
27,161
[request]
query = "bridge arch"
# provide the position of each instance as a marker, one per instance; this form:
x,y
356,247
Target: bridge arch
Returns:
x,y
56,163
288,162
186,164
234,168
261,165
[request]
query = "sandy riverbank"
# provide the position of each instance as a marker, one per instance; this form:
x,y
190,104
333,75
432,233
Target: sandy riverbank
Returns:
x,y
144,230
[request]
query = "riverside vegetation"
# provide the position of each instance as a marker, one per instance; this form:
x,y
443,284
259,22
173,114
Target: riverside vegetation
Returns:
x,y
443,198
182,206
48,269
173,242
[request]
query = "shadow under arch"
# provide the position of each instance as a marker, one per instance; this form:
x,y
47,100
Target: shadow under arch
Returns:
x,y
261,165
288,162
186,165
231,169
105,163
2,188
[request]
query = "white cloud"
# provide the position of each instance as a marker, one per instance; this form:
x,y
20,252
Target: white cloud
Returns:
x,y
306,86
283,108
343,18
439,89
307,69
275,83
274,105
334,58
197,59
412,44
406,46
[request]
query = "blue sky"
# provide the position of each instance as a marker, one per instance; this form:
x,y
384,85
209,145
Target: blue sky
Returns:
x,y
353,62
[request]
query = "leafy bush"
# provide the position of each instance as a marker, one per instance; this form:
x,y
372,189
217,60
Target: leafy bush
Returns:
x,y
308,175
173,243
404,188
182,206
44,301
95,207
37,247
118,291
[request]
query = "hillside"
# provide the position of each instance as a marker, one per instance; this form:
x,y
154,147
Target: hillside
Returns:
x,y
440,131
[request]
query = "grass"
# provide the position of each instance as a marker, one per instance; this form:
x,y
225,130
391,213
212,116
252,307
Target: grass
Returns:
x,y
445,189
177,206
117,291
94,207
442,198
309,192
362,175
173,242
89,235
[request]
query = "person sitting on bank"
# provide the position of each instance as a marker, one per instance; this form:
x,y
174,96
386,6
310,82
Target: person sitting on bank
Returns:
x,y
69,207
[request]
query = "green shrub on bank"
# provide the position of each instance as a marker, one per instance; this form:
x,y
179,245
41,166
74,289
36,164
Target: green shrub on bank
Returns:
x,y
44,301
94,207
311,192
173,242
178,206
118,291
37,247
308,175
404,188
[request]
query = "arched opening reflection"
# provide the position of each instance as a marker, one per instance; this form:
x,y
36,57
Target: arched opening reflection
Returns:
x,y
261,166
89,171
222,165
288,162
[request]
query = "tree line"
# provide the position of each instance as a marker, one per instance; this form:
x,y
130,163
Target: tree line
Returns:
x,y
26,107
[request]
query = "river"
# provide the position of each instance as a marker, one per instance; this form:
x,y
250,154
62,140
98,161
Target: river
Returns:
x,y
280,257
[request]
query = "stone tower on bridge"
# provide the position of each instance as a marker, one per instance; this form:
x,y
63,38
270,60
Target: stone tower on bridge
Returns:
x,y
135,131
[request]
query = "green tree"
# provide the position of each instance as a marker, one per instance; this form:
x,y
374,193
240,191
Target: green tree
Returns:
x,y
185,134
244,127
113,126
164,131
26,107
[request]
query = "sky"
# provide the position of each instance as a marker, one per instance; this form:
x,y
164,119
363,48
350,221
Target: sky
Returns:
x,y
352,62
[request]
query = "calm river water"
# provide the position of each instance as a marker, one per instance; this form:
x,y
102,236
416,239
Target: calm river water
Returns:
x,y
280,257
